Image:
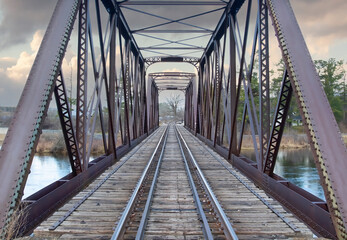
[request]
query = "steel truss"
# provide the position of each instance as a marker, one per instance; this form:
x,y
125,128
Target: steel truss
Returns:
x,y
125,121
171,80
219,106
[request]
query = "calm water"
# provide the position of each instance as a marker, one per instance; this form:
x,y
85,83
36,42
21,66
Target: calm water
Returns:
x,y
45,170
297,166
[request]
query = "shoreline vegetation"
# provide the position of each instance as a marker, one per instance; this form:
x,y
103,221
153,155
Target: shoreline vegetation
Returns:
x,y
52,142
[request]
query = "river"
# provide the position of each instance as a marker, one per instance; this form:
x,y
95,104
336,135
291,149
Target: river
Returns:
x,y
297,166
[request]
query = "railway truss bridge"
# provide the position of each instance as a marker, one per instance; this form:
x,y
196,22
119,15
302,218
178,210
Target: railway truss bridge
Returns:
x,y
190,181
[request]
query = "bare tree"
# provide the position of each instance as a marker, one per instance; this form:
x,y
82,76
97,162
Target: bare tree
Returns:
x,y
173,102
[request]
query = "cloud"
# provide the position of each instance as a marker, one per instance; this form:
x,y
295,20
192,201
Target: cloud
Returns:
x,y
10,90
22,18
19,72
323,24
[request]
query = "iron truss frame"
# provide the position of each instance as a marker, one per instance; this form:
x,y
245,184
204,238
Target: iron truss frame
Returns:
x,y
212,103
160,59
219,106
124,123
171,80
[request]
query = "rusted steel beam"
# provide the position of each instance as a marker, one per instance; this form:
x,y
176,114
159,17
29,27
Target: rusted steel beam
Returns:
x,y
264,79
66,124
108,97
82,83
41,204
328,149
303,204
20,142
112,138
278,124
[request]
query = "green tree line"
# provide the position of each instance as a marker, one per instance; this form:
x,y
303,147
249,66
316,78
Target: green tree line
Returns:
x,y
333,78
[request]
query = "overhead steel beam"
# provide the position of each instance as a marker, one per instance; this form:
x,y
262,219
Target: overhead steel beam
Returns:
x,y
123,26
169,21
232,8
171,59
172,48
173,3
173,31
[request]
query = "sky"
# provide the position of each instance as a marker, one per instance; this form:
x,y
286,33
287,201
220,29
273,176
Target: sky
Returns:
x,y
23,23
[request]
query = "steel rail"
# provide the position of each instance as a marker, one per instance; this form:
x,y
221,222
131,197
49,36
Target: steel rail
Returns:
x,y
244,183
101,182
206,227
144,218
123,219
228,229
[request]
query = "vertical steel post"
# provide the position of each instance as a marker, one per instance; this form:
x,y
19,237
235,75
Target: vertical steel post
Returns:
x,y
264,86
233,93
112,85
103,61
82,82
217,88
125,73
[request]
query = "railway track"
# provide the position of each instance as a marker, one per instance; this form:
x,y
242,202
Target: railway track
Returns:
x,y
174,200
94,211
172,186
253,214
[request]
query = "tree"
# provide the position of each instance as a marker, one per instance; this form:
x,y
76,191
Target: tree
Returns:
x,y
331,73
276,82
173,101
275,87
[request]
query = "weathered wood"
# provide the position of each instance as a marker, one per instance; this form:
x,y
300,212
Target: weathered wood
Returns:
x,y
173,213
246,212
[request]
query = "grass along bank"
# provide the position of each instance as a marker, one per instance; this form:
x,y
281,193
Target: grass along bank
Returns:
x,y
53,142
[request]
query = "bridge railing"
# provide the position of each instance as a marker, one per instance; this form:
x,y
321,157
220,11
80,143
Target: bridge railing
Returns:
x,y
227,103
111,97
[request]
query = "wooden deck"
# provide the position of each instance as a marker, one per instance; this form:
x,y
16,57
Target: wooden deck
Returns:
x,y
253,214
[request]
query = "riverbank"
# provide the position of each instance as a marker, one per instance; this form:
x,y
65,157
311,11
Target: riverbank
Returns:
x,y
53,142
289,141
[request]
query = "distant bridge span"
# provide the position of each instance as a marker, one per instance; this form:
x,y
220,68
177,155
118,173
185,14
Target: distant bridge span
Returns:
x,y
112,60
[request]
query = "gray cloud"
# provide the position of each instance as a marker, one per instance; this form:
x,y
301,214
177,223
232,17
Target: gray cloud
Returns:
x,y
21,18
322,18
9,90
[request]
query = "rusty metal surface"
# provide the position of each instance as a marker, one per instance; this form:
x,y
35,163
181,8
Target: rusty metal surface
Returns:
x,y
309,208
171,80
47,200
326,142
18,148
66,124
280,117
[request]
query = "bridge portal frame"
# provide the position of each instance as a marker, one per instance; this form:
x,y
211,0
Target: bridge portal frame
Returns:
x,y
218,104
126,102
217,99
